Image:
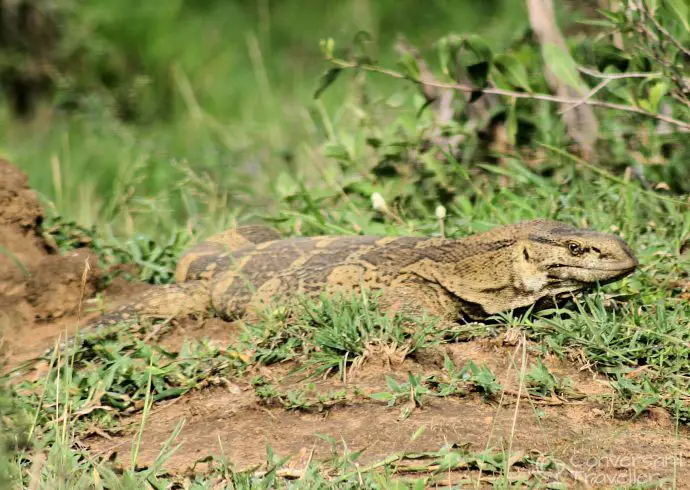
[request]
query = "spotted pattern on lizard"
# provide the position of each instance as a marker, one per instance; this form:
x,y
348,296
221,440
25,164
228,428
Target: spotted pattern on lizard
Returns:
x,y
530,264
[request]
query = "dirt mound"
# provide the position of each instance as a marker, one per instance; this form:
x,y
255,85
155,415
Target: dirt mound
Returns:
x,y
18,204
36,282
76,271
21,243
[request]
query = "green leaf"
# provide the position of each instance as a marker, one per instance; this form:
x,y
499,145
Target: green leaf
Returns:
x,y
616,17
448,364
655,94
392,384
624,93
448,48
477,59
285,185
327,46
646,402
419,484
410,66
382,397
479,48
563,66
396,100
513,70
337,151
171,393
681,9
330,76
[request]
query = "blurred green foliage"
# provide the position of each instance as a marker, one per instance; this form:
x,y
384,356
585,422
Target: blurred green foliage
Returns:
x,y
151,116
132,57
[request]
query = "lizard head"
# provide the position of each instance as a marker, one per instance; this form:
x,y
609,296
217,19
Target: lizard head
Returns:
x,y
525,265
555,259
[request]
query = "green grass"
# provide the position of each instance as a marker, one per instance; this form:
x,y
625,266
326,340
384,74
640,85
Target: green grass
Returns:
x,y
336,334
114,373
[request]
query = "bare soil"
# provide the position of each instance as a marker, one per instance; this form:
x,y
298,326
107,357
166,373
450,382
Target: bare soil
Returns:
x,y
52,296
43,293
227,417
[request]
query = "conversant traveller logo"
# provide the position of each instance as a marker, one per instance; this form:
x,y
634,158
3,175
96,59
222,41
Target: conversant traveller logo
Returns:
x,y
606,470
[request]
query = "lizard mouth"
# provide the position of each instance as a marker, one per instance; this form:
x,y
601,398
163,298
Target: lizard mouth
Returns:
x,y
627,269
590,275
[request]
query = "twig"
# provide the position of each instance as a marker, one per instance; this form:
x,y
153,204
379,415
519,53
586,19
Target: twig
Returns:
x,y
659,50
445,111
158,328
587,97
441,101
511,93
617,76
523,368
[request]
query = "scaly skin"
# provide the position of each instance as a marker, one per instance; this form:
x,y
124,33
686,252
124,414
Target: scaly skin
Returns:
x,y
531,264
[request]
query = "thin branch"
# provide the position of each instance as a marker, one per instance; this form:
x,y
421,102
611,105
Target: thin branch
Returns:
x,y
441,100
680,82
511,93
618,76
587,97
662,37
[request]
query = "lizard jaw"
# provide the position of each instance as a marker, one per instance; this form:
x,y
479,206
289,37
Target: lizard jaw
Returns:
x,y
572,274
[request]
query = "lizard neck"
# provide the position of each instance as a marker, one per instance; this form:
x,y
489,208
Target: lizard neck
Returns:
x,y
487,275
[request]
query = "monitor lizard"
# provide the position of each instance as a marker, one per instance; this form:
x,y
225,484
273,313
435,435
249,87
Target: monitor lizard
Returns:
x,y
530,264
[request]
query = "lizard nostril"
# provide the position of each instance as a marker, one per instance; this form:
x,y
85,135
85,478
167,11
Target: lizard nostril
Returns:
x,y
595,249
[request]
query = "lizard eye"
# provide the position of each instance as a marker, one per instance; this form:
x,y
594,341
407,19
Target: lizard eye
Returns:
x,y
574,248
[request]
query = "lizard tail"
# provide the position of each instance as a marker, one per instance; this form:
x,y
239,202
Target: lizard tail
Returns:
x,y
161,302
165,301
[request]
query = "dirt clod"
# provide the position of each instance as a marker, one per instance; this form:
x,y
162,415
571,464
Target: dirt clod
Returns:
x,y
36,282
80,278
19,205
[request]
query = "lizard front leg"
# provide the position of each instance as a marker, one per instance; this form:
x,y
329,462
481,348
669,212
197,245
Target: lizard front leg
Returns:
x,y
414,296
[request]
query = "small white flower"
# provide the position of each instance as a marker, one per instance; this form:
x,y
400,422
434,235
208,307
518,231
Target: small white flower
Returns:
x,y
378,202
440,212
